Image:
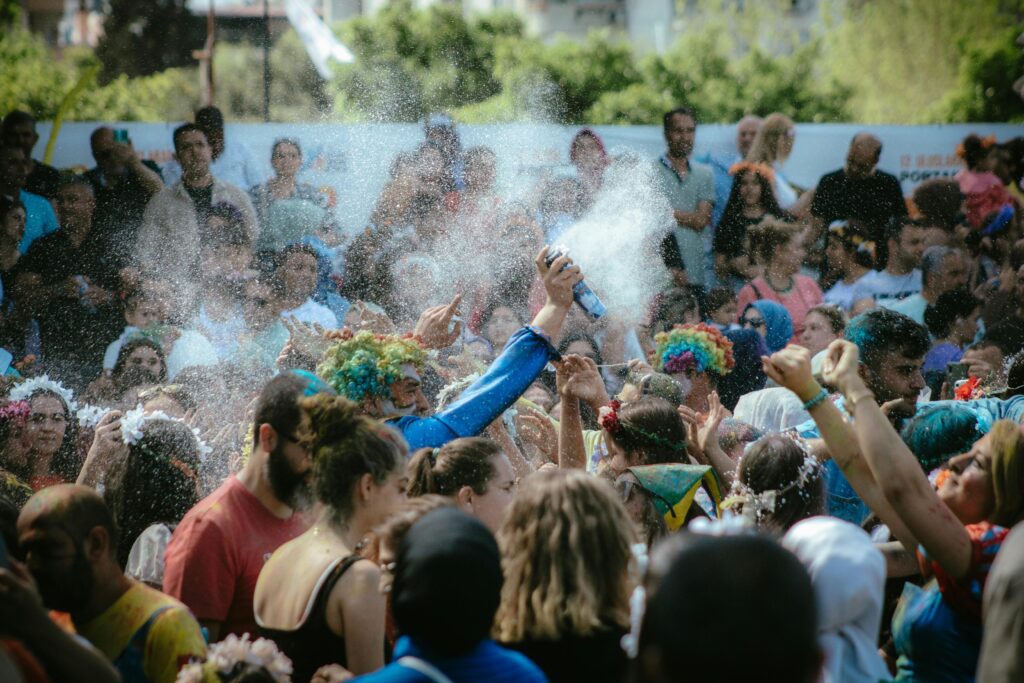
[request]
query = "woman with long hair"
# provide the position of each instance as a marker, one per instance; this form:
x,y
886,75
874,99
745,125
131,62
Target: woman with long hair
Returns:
x,y
316,597
52,432
474,472
779,247
772,146
566,559
590,158
750,200
956,531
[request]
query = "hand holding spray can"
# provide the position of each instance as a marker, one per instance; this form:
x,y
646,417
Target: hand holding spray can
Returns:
x,y
582,294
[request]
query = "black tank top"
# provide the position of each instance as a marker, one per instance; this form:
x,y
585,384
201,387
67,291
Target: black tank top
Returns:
x,y
313,644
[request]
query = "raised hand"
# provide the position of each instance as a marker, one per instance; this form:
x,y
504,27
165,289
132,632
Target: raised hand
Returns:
x,y
559,278
578,377
791,368
435,328
536,430
840,367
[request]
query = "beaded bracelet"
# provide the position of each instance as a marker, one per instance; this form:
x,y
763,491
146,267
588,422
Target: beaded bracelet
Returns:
x,y
816,400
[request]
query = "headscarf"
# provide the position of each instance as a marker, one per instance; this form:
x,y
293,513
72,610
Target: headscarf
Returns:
x,y
673,486
848,574
778,324
1007,472
447,582
748,374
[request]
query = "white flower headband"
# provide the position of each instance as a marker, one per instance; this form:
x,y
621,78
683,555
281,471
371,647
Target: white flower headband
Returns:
x,y
90,415
25,390
225,656
133,421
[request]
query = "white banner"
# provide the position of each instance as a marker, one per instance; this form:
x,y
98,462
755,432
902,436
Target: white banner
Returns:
x,y
321,43
352,160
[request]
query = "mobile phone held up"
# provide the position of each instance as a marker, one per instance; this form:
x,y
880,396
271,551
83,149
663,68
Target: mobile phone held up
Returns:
x,y
582,294
956,372
121,136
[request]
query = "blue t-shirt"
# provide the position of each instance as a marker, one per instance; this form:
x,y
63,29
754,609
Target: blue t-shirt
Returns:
x,y
40,220
488,661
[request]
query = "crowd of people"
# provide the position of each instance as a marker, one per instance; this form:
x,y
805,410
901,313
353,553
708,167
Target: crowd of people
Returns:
x,y
240,444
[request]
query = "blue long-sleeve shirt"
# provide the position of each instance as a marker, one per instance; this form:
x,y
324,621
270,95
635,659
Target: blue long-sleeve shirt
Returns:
x,y
511,374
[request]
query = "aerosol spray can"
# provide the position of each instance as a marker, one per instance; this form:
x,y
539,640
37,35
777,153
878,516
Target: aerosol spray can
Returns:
x,y
582,294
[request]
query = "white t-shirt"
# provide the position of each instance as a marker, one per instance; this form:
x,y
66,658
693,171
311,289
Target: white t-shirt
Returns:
x,y
880,285
311,312
912,307
841,294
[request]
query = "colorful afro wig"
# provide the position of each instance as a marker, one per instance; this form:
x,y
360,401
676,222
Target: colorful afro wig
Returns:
x,y
700,347
364,365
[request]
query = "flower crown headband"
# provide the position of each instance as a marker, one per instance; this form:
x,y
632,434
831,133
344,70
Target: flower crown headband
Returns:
x,y
699,347
987,142
31,386
763,170
758,505
860,243
132,425
610,422
363,365
225,658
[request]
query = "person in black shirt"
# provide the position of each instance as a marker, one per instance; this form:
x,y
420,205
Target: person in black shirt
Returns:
x,y
19,130
750,200
859,191
70,287
122,184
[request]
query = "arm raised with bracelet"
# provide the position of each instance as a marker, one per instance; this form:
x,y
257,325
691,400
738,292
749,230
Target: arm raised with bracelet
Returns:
x,y
791,368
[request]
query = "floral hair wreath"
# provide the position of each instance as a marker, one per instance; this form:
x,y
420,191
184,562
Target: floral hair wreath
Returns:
x,y
859,242
763,170
699,347
32,386
132,424
608,417
16,411
363,365
229,655
758,505
987,142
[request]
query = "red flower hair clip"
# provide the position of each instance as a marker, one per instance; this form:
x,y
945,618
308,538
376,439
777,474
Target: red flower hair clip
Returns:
x,y
609,417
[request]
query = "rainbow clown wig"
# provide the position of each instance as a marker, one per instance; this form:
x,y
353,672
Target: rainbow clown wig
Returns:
x,y
362,366
699,348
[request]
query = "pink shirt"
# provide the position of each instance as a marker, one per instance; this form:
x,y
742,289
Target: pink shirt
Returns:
x,y
802,297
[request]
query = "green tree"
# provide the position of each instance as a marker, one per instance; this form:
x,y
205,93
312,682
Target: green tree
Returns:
x,y
34,81
410,62
142,37
984,89
904,60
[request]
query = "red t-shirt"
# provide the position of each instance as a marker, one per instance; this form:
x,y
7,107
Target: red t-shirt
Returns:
x,y
217,551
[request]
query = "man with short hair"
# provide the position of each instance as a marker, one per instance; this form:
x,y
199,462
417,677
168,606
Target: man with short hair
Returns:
x,y
231,162
942,269
859,190
905,240
123,184
892,349
690,190
39,217
217,551
296,277
19,129
70,286
70,541
172,229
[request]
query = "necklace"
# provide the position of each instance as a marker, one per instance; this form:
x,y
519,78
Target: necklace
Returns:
x,y
780,290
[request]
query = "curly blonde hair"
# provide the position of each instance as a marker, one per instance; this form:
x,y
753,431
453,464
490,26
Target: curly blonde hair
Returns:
x,y
565,547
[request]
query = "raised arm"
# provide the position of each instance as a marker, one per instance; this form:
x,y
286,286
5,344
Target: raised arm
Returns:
x,y
577,379
902,481
791,368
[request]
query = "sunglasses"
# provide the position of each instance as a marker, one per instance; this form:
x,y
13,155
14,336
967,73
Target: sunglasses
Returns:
x,y
753,322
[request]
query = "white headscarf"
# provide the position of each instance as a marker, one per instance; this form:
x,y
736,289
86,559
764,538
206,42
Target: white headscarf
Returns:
x,y
774,409
848,574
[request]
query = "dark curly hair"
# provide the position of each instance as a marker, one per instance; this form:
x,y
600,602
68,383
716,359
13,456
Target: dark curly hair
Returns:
x,y
651,426
345,445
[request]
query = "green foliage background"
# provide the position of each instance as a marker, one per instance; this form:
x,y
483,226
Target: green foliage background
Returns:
x,y
871,61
